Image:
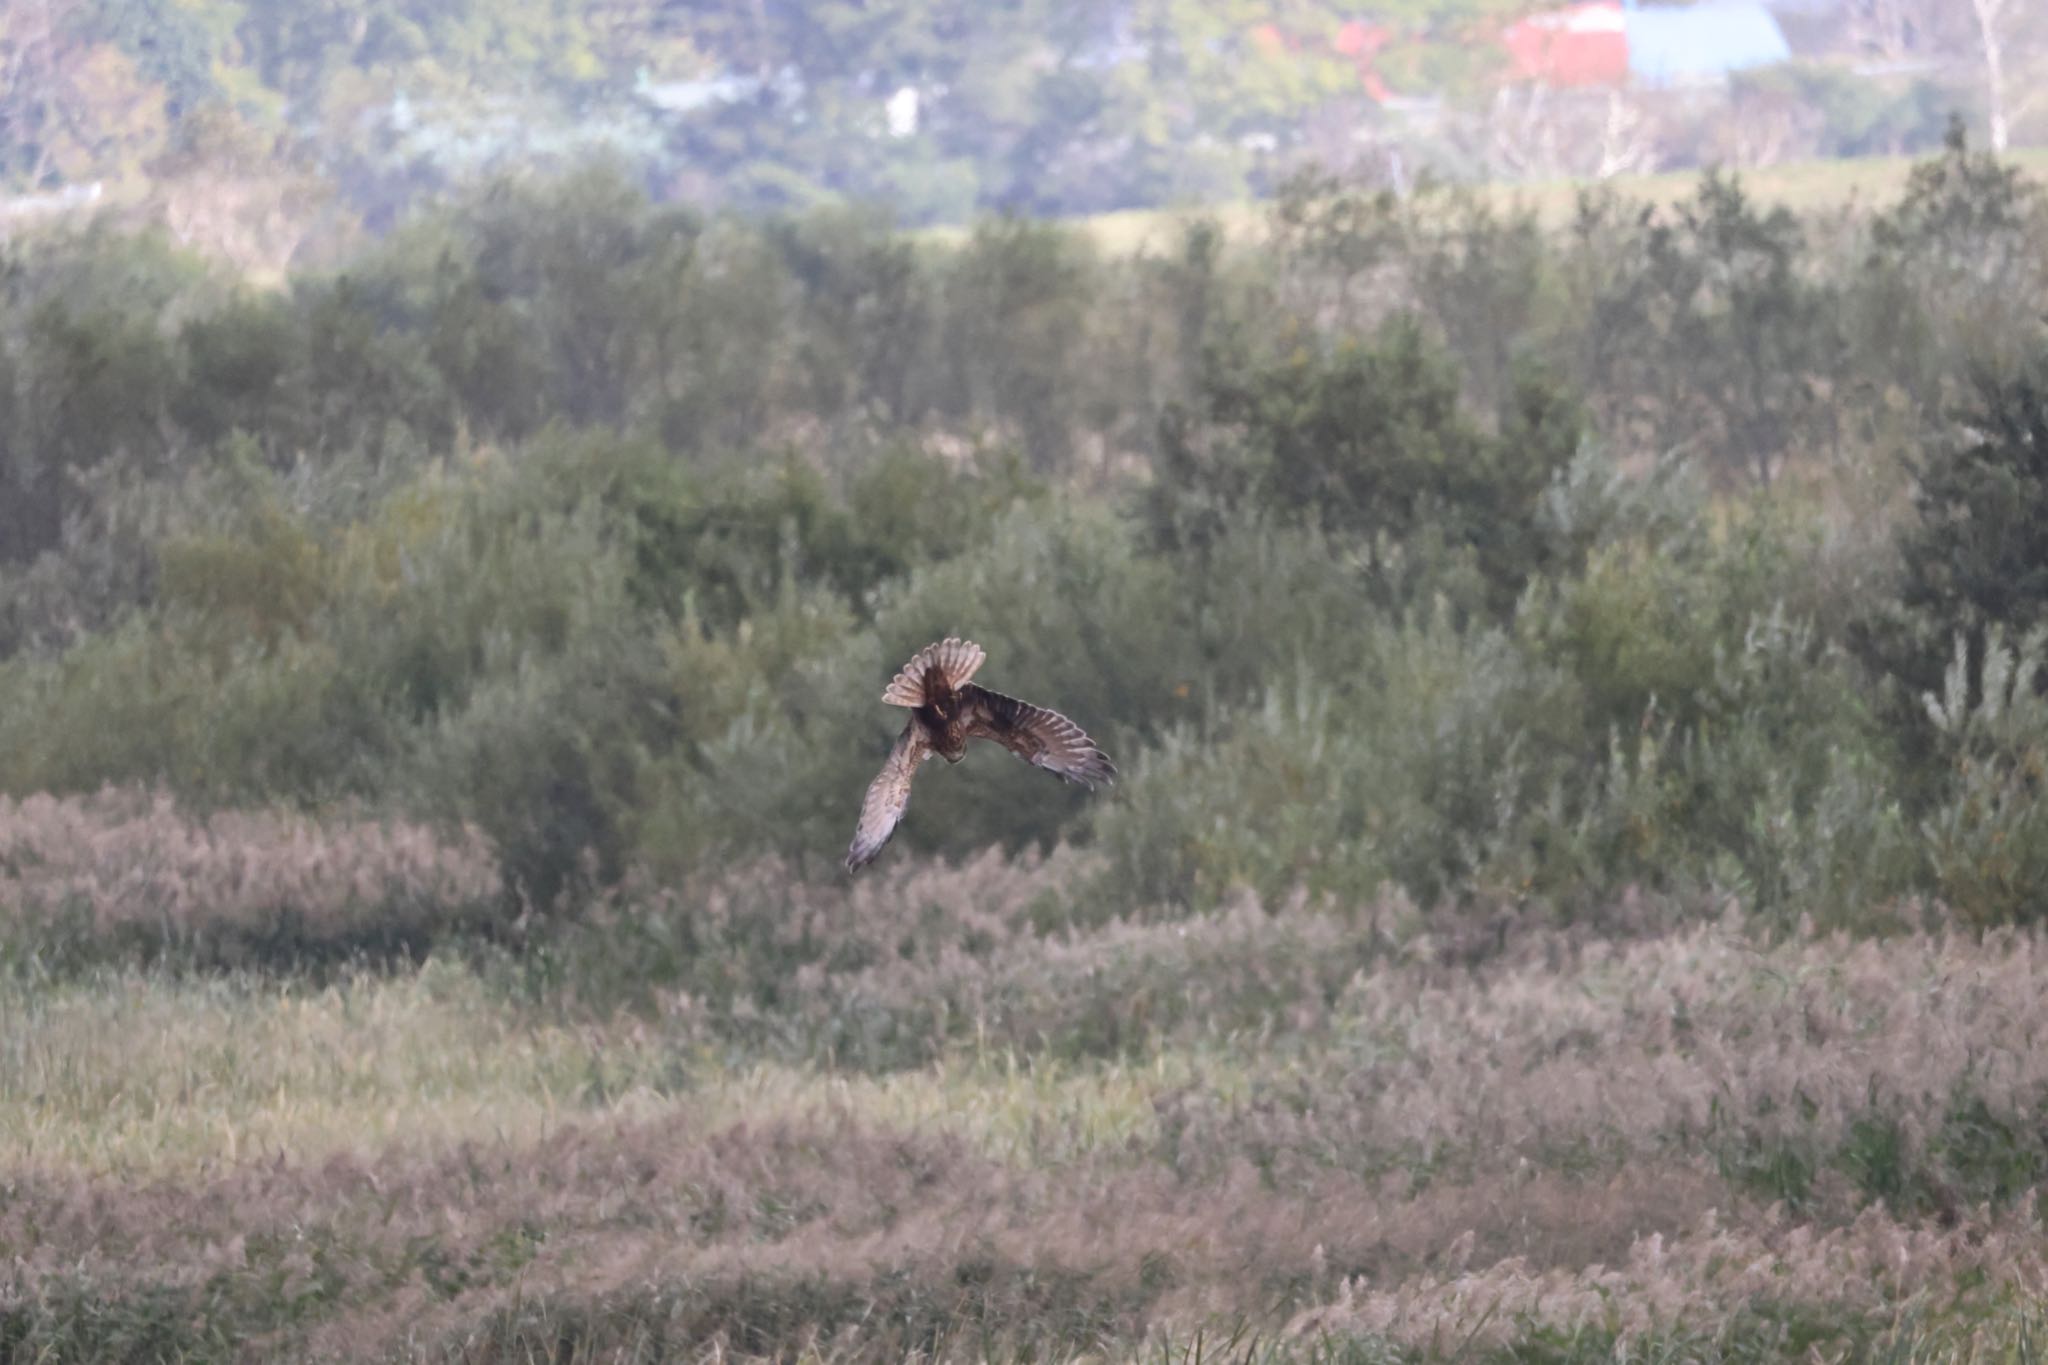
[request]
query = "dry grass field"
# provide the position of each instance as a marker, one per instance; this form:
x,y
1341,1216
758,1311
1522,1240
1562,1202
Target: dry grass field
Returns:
x,y
1805,187
959,1113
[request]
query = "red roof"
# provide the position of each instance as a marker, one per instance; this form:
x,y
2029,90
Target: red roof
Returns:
x,y
1580,45
1359,39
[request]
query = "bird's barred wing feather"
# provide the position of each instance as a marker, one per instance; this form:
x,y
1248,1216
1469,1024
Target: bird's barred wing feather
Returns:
x,y
1042,738
888,795
955,659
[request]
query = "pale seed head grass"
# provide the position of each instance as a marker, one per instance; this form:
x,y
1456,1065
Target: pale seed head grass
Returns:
x,y
942,1111
1874,1268
996,954
127,871
767,1236
146,1074
1911,1067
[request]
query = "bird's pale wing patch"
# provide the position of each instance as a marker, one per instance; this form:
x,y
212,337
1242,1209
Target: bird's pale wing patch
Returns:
x,y
955,659
888,796
1042,738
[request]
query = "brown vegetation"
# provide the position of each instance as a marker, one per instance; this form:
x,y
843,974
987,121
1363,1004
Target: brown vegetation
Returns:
x,y
1400,1132
857,1241
129,866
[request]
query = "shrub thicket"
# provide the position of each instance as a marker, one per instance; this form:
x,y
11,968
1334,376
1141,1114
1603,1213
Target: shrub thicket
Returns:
x,y
1416,546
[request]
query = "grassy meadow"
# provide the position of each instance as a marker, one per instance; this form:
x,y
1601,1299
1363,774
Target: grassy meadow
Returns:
x,y
1275,1132
1574,890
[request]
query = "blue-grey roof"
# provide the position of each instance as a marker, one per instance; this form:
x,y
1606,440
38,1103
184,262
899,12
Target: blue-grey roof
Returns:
x,y
1704,42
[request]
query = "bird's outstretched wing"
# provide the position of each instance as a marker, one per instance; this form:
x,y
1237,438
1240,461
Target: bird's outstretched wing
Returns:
x,y
1045,739
888,795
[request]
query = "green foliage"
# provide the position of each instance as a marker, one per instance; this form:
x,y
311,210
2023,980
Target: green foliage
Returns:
x,y
90,391
548,758
1655,717
1706,334
1954,280
1368,441
1975,1155
596,525
1988,840
1401,775
864,313
1969,557
1859,115
1482,277
1017,308
566,299
1978,554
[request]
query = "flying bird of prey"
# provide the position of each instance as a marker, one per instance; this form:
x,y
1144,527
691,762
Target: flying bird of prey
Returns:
x,y
946,711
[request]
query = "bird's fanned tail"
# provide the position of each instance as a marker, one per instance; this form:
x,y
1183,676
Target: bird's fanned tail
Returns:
x,y
955,659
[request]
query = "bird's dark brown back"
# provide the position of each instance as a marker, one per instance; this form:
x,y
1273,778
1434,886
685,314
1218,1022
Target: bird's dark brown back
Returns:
x,y
938,693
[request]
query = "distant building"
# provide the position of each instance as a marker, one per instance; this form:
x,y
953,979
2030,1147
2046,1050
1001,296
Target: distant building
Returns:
x,y
1702,44
1618,42
1580,45
900,111
726,87
1594,43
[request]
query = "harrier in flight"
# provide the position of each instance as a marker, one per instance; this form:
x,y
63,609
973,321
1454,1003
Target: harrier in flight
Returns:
x,y
945,712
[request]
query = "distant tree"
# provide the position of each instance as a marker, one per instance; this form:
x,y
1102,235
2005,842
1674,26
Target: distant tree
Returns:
x,y
168,42
2006,29
1977,554
1366,439
91,390
73,106
1954,276
1897,29
1706,328
1973,562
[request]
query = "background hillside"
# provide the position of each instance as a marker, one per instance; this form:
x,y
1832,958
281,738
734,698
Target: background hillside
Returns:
x,y
281,130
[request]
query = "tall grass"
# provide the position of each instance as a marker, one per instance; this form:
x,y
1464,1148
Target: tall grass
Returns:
x,y
1575,1143
127,873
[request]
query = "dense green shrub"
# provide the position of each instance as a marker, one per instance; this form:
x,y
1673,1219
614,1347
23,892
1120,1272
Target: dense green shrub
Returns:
x,y
566,300
1016,307
1483,278
1409,770
1656,716
1707,332
1955,277
1987,841
1977,556
85,390
1368,442
863,327
1970,558
1396,549
548,757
